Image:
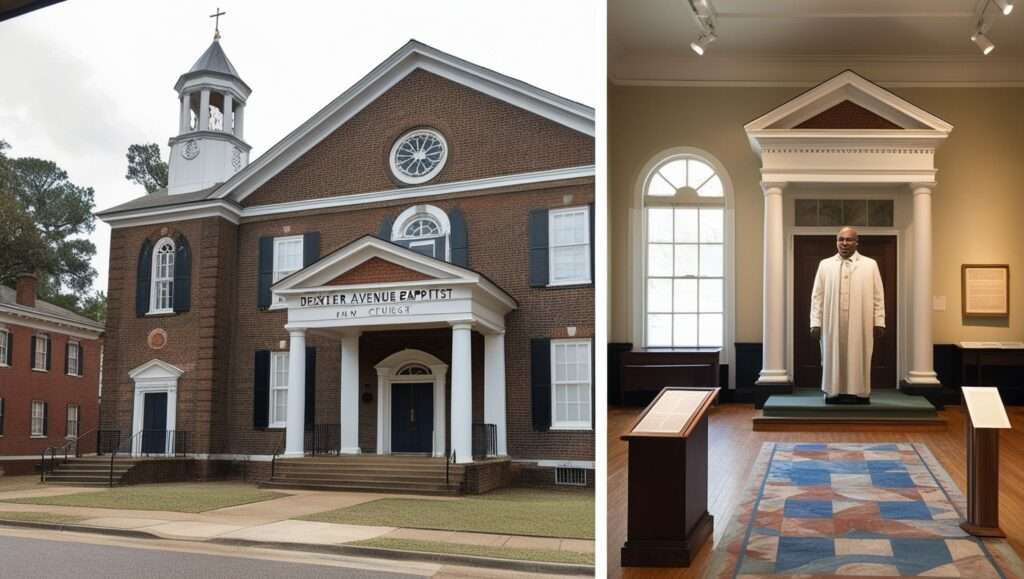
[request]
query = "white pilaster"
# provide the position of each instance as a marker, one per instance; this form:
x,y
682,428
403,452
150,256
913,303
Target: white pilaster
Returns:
x,y
440,373
186,116
239,117
295,429
494,387
204,110
922,370
350,394
462,392
226,126
383,414
172,418
773,364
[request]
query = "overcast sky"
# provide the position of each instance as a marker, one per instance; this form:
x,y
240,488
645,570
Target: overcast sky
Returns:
x,y
84,79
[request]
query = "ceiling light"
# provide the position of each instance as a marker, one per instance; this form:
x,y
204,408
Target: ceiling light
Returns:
x,y
702,42
1006,6
983,42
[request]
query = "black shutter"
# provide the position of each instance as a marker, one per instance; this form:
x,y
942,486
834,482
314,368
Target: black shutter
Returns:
x,y
261,390
310,247
46,417
67,357
540,383
32,351
49,352
10,349
182,276
538,231
593,237
142,279
310,387
266,272
81,359
67,417
1,415
459,237
385,228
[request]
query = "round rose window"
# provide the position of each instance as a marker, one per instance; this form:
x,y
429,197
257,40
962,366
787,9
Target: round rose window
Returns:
x,y
418,156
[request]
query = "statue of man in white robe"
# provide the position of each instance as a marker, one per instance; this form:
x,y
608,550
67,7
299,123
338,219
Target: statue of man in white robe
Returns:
x,y
847,313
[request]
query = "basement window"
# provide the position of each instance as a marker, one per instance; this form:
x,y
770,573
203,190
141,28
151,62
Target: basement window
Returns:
x,y
576,477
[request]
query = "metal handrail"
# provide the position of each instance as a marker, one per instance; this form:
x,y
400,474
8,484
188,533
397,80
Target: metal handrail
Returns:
x,y
273,461
53,450
449,460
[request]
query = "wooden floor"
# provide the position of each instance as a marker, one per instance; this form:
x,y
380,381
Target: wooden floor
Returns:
x,y
733,445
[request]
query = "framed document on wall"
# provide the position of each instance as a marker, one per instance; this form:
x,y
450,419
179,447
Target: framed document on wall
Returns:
x,y
985,290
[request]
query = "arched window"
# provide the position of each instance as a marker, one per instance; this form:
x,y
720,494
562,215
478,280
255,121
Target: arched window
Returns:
x,y
413,370
424,229
686,254
162,293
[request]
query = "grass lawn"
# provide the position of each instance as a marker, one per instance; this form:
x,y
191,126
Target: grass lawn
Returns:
x,y
38,517
540,513
176,497
20,483
480,551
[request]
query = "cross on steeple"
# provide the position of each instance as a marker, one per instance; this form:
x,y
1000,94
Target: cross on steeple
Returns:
x,y
216,23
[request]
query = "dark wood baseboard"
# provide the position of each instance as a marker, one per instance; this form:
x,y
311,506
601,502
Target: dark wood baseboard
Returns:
x,y
662,553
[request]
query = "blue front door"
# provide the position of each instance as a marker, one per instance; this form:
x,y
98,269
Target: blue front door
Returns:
x,y
154,423
412,417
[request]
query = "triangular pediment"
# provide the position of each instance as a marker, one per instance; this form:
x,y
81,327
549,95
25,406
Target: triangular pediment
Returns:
x,y
378,270
848,101
155,369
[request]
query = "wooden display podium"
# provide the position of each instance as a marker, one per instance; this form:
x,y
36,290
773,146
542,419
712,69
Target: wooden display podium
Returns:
x,y
986,417
668,518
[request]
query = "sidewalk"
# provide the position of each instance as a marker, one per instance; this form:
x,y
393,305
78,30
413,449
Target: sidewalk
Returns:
x,y
270,523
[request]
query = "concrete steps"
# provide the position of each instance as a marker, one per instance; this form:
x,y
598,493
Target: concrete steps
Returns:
x,y
378,474
90,471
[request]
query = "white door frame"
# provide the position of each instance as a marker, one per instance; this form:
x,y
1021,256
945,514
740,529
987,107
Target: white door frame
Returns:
x,y
388,373
154,376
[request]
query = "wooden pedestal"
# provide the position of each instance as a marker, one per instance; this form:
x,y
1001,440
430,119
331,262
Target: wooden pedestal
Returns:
x,y
982,482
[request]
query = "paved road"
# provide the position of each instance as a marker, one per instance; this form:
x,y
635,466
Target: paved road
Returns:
x,y
35,555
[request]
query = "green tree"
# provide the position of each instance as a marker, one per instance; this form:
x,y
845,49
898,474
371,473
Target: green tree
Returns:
x,y
22,249
146,167
95,306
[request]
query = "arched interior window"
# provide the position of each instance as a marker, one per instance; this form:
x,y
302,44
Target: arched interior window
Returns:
x,y
685,254
162,293
413,370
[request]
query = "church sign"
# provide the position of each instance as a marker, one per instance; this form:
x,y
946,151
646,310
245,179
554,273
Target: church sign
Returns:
x,y
366,298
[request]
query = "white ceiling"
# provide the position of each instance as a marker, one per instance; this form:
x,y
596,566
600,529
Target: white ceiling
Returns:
x,y
799,41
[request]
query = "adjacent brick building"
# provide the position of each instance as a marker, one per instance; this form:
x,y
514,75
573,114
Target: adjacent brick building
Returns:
x,y
411,264
49,377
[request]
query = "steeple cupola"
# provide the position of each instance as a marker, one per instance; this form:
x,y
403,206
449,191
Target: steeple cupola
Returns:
x,y
209,147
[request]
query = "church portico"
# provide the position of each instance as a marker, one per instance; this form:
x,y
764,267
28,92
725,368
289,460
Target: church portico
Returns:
x,y
424,294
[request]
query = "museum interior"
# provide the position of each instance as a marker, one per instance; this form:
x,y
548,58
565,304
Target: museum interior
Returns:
x,y
813,218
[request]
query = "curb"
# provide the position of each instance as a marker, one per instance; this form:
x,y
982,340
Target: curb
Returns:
x,y
370,552
380,553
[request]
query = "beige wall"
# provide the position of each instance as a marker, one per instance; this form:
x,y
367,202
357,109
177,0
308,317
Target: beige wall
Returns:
x,y
978,204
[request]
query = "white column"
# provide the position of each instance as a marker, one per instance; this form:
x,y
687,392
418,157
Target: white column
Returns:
x,y
922,370
186,116
773,363
138,410
383,390
227,126
172,417
494,387
295,429
462,392
239,117
204,110
350,394
440,373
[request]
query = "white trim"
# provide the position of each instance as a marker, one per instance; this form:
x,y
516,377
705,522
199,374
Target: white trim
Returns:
x,y
154,296
587,243
283,423
387,375
43,418
36,320
433,172
78,358
409,58
578,426
234,214
7,346
46,351
155,376
278,241
547,463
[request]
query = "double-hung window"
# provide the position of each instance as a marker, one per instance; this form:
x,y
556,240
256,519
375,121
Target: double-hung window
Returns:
x,y
38,418
42,350
74,355
685,255
569,246
72,424
5,347
287,256
278,389
162,292
571,381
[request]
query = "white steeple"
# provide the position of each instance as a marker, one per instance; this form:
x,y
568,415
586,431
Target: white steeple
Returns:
x,y
209,148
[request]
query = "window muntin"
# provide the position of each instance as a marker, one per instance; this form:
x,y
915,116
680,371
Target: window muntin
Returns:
x,y
42,346
418,156
72,422
38,417
570,384
569,246
278,389
685,175
287,256
162,300
421,226
5,345
413,370
74,353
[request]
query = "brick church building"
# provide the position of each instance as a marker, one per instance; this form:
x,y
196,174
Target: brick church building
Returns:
x,y
409,272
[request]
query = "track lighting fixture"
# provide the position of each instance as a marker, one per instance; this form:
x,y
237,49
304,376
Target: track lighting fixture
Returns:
x,y
702,42
983,42
1006,6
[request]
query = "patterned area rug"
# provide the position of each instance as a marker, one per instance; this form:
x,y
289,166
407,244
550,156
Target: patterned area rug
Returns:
x,y
854,510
